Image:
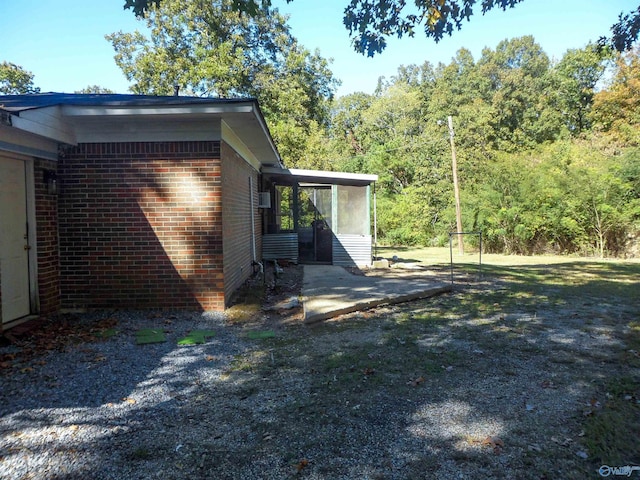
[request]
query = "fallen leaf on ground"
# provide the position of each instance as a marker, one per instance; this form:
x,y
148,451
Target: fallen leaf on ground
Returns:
x,y
494,442
129,400
416,382
302,464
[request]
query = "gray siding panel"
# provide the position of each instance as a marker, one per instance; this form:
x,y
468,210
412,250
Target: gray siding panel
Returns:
x,y
280,246
352,250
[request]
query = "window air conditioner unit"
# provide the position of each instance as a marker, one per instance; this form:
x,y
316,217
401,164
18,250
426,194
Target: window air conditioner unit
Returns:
x,y
264,200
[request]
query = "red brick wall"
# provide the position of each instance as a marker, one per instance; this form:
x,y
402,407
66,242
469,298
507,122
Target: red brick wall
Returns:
x,y
140,225
47,238
236,221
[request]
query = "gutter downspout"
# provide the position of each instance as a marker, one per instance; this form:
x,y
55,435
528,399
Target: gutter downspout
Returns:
x,y
253,221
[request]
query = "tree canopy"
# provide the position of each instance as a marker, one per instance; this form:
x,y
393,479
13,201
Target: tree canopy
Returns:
x,y
616,110
94,89
371,22
208,48
15,80
548,154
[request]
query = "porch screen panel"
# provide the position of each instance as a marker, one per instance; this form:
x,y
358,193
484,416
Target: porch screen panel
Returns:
x,y
353,212
322,202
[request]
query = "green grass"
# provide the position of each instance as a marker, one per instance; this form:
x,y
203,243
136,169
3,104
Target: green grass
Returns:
x,y
611,432
531,281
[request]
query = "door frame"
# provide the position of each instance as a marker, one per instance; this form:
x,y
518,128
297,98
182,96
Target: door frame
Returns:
x,y
314,231
32,236
30,193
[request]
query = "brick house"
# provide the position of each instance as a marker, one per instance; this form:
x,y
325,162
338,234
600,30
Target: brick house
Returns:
x,y
132,201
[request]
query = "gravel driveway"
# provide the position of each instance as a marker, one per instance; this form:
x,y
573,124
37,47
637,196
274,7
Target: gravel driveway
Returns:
x,y
478,383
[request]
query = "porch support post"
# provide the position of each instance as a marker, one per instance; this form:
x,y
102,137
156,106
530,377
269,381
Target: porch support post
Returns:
x,y
375,222
296,207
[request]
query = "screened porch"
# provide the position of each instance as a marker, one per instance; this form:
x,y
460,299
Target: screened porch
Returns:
x,y
317,217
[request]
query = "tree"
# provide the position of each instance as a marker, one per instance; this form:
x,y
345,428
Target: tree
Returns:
x,y
624,32
208,49
94,89
15,80
370,22
514,81
576,77
346,125
616,110
140,7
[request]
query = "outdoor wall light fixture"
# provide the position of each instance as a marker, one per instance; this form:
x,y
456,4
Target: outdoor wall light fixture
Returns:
x,y
5,118
51,181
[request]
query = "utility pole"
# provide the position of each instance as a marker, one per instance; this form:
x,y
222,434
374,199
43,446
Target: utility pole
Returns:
x,y
456,192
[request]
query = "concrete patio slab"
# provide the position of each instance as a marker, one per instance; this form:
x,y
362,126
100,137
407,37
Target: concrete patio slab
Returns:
x,y
329,291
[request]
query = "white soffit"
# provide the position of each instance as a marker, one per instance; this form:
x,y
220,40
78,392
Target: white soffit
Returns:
x,y
230,137
72,124
360,177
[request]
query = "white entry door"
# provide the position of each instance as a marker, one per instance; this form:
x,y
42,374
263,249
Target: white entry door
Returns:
x,y
14,247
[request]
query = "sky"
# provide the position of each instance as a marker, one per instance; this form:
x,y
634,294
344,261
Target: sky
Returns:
x,y
62,41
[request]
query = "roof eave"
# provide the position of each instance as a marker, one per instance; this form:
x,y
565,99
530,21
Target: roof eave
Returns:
x,y
55,121
321,176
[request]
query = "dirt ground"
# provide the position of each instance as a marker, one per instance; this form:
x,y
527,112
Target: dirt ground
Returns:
x,y
528,372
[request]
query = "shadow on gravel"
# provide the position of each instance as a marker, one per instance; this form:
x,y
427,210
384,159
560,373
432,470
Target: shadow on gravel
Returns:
x,y
71,407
